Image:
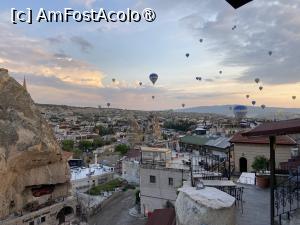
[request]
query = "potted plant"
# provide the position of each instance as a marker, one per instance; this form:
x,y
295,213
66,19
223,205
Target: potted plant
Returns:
x,y
260,165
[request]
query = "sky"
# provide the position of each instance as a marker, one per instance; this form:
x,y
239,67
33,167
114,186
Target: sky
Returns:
x,y
74,63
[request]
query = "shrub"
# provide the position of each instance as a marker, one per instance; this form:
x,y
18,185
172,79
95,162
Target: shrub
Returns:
x,y
260,163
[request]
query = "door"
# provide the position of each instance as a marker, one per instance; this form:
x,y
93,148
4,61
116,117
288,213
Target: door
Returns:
x,y
243,164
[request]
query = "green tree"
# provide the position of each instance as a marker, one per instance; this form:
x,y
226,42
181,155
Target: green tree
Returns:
x,y
98,142
77,154
122,148
67,145
85,145
260,163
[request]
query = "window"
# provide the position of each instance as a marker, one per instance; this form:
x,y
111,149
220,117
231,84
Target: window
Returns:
x,y
171,181
43,219
152,179
31,223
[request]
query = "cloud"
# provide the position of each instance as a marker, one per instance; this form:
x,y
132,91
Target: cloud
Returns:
x,y
22,54
261,26
83,44
86,3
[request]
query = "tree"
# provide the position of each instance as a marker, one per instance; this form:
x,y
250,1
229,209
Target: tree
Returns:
x,y
77,154
260,163
98,142
122,148
67,145
85,145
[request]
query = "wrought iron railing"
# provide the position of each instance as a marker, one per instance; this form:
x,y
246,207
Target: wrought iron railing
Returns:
x,y
287,198
209,167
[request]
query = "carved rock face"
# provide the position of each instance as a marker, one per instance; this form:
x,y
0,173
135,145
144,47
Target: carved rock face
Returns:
x,y
29,153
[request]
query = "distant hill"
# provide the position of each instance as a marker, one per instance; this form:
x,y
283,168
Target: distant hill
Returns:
x,y
257,112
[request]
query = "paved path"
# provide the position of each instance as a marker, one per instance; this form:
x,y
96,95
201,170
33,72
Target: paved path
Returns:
x,y
116,212
256,206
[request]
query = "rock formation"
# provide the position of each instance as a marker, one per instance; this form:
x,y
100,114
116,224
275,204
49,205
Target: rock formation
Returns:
x,y
32,169
208,206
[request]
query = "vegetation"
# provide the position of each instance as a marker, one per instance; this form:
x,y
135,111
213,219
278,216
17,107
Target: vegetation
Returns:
x,y
85,145
261,163
122,148
102,131
181,125
109,186
67,145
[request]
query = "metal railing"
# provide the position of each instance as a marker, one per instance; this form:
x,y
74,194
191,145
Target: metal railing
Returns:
x,y
287,198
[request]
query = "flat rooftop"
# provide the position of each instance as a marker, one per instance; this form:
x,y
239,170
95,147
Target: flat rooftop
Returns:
x,y
94,170
154,149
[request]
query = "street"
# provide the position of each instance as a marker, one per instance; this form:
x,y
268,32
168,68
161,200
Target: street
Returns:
x,y
116,212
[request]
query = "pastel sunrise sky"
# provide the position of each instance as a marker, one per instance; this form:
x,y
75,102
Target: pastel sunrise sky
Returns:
x,y
74,63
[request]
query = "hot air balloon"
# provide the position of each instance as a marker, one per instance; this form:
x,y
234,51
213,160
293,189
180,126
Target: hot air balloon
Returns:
x,y
294,97
113,80
257,80
253,103
263,106
237,4
270,53
153,97
201,40
153,77
140,83
108,104
187,55
261,88
240,111
247,96
183,105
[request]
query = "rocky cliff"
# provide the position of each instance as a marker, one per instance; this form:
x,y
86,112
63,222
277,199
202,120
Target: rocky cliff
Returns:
x,y
30,157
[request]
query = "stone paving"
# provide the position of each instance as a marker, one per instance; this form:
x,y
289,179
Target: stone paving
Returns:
x,y
256,206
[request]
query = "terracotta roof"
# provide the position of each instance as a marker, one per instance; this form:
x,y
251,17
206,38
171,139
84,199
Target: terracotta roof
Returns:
x,y
162,217
277,128
280,140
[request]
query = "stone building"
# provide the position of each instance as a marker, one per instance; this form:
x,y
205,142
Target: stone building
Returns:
x,y
160,177
131,166
152,131
35,177
247,148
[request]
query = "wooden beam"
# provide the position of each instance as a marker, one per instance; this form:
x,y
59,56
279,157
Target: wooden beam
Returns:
x,y
272,176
